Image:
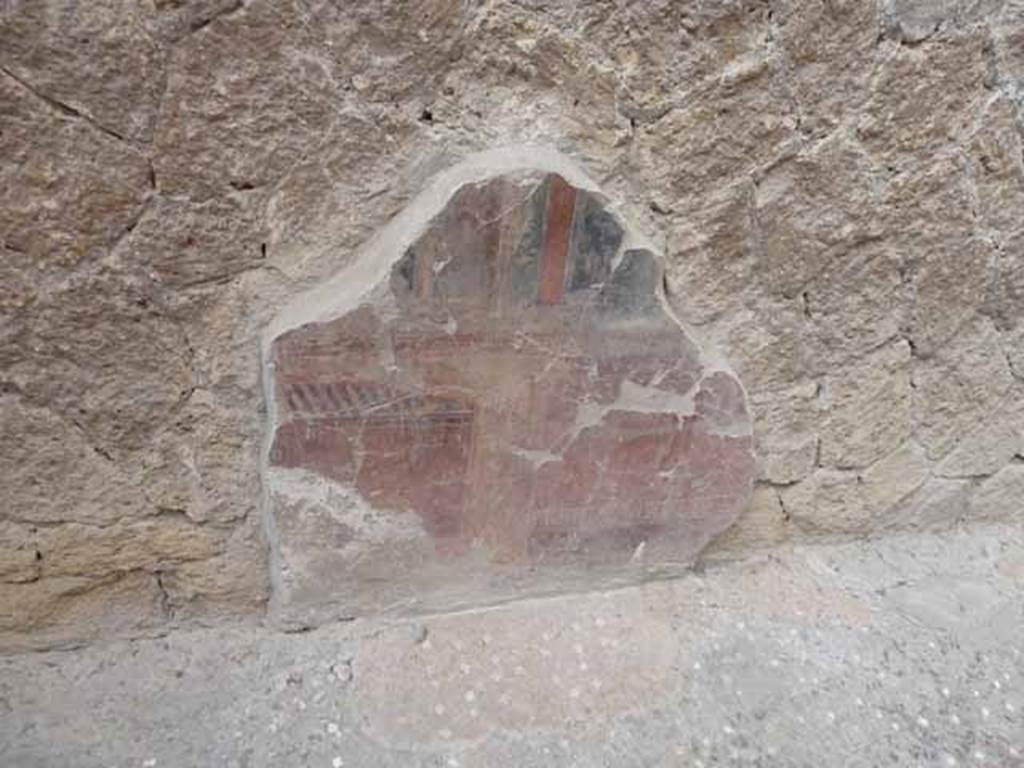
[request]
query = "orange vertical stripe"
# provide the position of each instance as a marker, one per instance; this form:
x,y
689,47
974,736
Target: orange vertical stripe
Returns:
x,y
557,226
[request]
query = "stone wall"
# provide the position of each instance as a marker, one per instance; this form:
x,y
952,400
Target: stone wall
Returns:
x,y
837,185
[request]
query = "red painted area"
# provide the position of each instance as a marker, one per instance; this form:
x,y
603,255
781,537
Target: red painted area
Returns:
x,y
558,222
508,414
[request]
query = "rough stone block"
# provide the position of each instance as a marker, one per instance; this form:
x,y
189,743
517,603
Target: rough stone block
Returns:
x,y
493,400
1000,497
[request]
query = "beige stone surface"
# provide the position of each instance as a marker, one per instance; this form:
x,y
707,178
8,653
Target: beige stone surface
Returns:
x,y
836,186
868,408
765,524
1001,496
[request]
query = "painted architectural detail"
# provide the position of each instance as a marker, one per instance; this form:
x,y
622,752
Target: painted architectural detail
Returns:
x,y
508,406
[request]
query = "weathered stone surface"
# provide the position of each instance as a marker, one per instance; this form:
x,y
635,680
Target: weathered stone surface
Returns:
x,y
901,126
71,349
711,257
786,440
997,168
174,173
69,610
513,392
868,408
55,214
1000,497
914,21
828,42
849,501
967,383
97,61
763,525
857,304
806,214
46,452
992,445
730,125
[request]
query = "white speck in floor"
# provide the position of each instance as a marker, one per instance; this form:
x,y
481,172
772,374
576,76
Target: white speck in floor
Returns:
x,y
470,696
985,712
955,719
332,728
337,762
923,722
149,763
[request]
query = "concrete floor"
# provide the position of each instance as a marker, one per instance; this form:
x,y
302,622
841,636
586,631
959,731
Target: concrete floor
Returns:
x,y
905,651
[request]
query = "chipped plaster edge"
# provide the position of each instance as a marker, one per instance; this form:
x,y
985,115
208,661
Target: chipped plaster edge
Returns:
x,y
373,260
